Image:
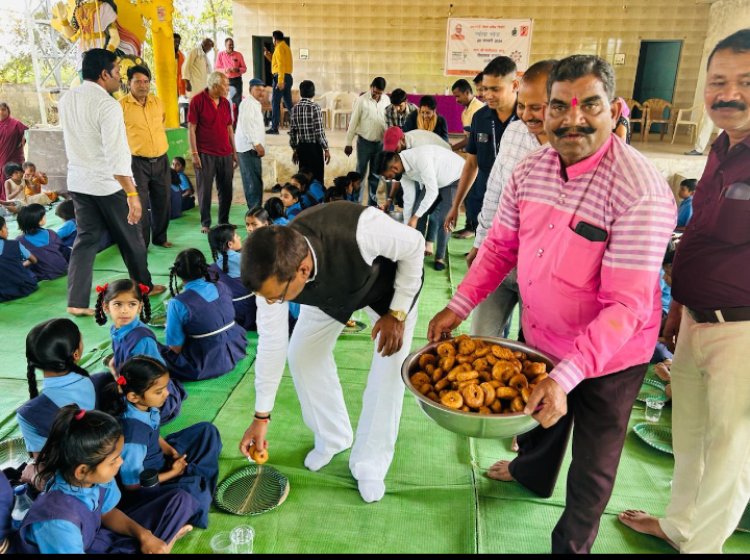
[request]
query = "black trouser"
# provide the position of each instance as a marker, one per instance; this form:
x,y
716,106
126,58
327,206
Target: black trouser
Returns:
x,y
311,157
236,83
221,168
94,216
152,179
598,413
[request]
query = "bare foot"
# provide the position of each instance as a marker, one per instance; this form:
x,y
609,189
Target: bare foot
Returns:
x,y
181,533
642,522
81,311
204,229
514,445
500,471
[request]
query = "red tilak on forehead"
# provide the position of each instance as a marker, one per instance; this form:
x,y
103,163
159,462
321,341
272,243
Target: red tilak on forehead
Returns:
x,y
574,102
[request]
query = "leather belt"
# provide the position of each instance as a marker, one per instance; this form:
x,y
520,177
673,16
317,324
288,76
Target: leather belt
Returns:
x,y
728,315
150,159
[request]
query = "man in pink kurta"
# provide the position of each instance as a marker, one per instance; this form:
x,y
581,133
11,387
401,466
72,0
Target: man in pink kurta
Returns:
x,y
586,221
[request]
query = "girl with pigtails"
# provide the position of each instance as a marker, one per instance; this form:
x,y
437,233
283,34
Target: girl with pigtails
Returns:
x,y
203,338
79,510
127,304
225,247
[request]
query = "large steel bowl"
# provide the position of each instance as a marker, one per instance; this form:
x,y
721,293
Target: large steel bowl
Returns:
x,y
474,424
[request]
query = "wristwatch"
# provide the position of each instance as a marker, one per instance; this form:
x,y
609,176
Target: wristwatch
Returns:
x,y
400,315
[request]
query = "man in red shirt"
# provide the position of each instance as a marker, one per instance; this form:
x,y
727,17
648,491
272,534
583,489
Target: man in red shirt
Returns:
x,y
212,146
711,311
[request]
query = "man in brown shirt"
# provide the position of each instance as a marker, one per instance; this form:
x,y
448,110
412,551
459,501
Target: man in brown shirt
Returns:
x,y
711,312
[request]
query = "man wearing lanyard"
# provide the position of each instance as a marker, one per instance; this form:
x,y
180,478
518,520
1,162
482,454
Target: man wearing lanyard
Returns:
x,y
316,261
487,127
711,310
587,221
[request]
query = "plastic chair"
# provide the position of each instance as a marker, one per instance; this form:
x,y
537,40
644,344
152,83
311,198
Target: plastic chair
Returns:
x,y
324,101
659,112
633,105
682,119
343,104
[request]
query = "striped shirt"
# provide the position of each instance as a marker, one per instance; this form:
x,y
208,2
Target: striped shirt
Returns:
x,y
517,143
595,306
307,125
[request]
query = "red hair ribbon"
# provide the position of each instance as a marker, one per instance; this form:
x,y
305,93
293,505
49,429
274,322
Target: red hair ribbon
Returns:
x,y
80,414
122,381
100,289
144,289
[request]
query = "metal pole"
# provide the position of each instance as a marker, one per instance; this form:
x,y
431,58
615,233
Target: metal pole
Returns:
x,y
35,61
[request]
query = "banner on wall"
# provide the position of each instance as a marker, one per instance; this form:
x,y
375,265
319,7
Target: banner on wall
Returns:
x,y
471,44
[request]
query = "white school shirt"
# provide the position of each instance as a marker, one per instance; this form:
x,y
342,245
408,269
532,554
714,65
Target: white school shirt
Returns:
x,y
377,235
251,129
95,140
368,118
431,166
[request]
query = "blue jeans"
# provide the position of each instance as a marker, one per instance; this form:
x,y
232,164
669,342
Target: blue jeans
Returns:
x,y
251,170
367,152
286,93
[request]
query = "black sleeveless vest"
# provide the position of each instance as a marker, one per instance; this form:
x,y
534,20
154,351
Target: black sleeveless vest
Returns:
x,y
344,282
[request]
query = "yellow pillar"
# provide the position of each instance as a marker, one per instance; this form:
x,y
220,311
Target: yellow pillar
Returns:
x,y
165,67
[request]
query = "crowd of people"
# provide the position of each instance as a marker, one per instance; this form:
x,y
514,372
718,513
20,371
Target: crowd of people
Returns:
x,y
569,222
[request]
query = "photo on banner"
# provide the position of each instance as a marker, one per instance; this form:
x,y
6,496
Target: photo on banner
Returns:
x,y
472,43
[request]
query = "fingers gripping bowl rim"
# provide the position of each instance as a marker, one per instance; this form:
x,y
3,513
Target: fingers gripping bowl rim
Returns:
x,y
471,424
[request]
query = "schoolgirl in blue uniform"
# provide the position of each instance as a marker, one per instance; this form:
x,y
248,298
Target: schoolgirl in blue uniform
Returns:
x,y
127,304
290,197
16,280
312,192
276,211
188,459
53,347
225,247
68,231
43,243
78,511
203,338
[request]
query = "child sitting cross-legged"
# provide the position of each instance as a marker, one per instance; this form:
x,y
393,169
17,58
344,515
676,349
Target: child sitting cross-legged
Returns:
x,y
43,243
188,459
225,247
203,338
127,304
16,280
79,513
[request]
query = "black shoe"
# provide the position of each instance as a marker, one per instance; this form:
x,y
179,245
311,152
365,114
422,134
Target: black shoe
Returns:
x,y
693,153
276,188
272,131
439,265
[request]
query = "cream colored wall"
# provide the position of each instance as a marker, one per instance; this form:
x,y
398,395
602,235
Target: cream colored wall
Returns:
x,y
726,17
351,41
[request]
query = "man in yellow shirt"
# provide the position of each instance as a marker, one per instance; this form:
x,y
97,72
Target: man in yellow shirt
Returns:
x,y
281,67
144,118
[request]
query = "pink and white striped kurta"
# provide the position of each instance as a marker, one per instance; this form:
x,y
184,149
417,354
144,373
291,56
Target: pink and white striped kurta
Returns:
x,y
593,305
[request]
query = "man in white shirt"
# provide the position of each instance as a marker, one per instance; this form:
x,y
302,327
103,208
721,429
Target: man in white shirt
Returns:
x,y
435,168
249,139
196,68
368,124
521,138
334,259
100,178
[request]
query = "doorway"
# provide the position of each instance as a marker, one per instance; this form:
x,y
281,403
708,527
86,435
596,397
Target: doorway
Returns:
x,y
657,70
262,66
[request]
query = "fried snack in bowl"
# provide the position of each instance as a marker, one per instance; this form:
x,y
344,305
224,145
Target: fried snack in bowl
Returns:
x,y
483,387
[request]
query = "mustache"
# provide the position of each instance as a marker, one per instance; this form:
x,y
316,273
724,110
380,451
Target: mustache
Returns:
x,y
729,105
563,130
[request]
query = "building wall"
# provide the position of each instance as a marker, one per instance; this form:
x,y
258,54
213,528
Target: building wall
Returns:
x,y
351,41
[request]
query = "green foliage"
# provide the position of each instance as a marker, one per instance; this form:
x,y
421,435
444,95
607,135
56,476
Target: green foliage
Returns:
x,y
195,21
